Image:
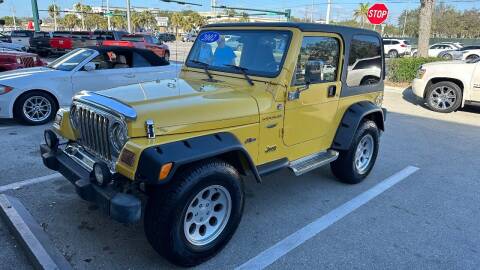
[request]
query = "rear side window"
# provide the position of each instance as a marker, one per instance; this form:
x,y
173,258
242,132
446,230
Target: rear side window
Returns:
x,y
365,61
395,42
139,61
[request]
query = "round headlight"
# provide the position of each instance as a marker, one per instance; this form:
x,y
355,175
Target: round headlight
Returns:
x,y
74,117
118,136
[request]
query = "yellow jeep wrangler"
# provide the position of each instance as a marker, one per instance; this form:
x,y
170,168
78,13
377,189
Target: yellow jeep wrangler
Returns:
x,y
251,99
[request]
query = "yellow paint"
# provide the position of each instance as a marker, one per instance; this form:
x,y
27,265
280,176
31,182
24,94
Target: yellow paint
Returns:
x,y
260,116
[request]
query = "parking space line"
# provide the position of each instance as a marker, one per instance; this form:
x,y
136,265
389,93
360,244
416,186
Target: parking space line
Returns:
x,y
272,254
30,182
30,235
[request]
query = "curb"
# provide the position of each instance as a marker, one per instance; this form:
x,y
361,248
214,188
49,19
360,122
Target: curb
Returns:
x,y
30,235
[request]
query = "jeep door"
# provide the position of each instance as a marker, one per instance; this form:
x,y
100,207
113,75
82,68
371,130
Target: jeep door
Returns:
x,y
314,91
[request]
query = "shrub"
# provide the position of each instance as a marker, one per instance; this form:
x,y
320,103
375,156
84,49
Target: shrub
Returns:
x,y
405,69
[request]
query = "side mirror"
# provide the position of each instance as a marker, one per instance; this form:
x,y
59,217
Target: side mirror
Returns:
x,y
89,66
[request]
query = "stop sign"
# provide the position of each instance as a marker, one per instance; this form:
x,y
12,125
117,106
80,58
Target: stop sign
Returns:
x,y
377,13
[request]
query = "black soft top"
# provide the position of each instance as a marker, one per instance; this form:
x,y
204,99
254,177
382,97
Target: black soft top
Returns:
x,y
150,56
305,27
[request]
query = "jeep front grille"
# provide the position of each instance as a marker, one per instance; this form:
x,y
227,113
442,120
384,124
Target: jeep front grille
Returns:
x,y
93,128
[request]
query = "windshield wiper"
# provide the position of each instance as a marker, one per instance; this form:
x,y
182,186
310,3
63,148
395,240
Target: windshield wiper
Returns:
x,y
205,68
244,72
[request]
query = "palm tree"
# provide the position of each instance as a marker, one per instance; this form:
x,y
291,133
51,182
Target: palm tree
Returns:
x,y
177,21
54,13
361,12
70,21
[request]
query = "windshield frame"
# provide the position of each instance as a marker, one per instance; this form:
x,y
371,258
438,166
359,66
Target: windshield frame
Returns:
x,y
248,72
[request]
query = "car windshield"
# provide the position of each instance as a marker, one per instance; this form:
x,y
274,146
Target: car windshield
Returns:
x,y
258,52
72,59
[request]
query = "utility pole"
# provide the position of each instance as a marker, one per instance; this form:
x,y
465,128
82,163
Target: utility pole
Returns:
x,y
329,7
82,15
129,22
109,22
36,20
405,23
312,11
54,15
14,21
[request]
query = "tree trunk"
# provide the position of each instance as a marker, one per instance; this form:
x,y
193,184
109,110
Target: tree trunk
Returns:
x,y
425,26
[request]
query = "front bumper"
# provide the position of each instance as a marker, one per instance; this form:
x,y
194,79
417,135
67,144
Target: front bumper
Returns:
x,y
122,207
418,87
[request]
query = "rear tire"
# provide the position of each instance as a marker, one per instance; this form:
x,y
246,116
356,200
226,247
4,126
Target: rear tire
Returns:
x,y
184,231
354,164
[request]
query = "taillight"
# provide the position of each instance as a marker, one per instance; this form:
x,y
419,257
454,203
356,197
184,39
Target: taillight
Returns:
x,y
403,45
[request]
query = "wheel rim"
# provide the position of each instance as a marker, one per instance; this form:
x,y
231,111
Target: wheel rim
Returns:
x,y
443,97
207,215
37,108
364,153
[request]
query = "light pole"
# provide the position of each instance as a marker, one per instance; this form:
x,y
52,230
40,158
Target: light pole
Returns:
x,y
35,15
109,22
54,15
129,22
329,7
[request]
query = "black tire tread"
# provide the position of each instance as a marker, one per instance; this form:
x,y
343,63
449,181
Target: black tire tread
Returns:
x,y
342,168
158,219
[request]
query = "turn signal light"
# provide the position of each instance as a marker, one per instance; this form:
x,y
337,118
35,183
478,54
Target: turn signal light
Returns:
x,y
165,170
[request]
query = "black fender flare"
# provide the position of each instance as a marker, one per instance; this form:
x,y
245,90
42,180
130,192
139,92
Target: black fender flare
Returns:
x,y
351,120
223,145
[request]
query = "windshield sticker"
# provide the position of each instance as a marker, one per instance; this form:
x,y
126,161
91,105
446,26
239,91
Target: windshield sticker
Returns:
x,y
209,37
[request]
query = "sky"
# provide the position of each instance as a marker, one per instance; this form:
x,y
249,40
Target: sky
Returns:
x,y
341,9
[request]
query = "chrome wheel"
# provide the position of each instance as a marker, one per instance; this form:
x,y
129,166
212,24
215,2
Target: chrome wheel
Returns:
x,y
207,215
37,108
443,97
364,153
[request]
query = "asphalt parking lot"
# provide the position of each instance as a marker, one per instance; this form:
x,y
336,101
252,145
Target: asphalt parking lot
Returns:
x,y
428,219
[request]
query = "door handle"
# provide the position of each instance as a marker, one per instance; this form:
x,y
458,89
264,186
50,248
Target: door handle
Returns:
x,y
332,90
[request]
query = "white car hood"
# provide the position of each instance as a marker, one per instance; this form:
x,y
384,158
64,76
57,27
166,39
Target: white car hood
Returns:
x,y
22,77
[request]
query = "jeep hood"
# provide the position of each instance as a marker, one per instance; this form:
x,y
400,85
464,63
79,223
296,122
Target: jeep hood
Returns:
x,y
181,106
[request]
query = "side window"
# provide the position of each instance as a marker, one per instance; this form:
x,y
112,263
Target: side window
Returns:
x,y
317,61
101,62
365,61
139,61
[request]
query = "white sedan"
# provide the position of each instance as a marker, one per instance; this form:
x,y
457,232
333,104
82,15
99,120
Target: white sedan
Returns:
x,y
33,95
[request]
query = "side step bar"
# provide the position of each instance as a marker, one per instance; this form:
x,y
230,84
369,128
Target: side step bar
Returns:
x,y
308,163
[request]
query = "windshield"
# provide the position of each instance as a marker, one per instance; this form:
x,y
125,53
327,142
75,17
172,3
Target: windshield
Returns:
x,y
133,38
72,59
259,52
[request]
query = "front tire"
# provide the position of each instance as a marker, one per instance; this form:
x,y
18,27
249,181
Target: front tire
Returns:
x,y
35,108
444,97
195,217
353,165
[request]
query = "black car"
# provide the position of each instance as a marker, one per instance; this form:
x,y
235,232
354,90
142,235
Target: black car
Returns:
x,y
40,43
166,37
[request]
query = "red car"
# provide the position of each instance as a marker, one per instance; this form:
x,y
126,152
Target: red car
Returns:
x,y
11,60
142,41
